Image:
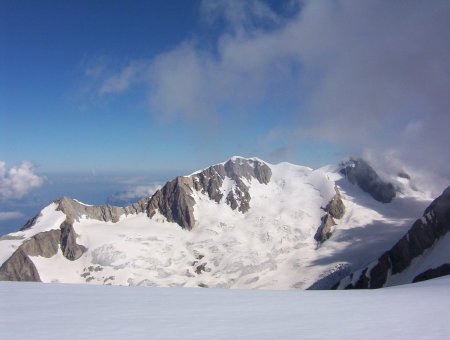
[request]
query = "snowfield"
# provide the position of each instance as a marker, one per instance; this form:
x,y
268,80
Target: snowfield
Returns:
x,y
55,311
271,246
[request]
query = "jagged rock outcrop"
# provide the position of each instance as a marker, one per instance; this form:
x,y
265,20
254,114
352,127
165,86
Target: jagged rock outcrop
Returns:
x,y
43,244
334,209
359,172
325,229
70,249
174,200
210,181
108,213
434,224
19,266
433,273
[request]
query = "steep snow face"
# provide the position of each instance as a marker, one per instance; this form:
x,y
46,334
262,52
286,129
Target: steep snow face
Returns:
x,y
271,245
421,253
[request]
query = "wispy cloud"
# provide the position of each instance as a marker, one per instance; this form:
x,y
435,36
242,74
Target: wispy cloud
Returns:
x,y
367,73
17,181
120,82
134,193
10,215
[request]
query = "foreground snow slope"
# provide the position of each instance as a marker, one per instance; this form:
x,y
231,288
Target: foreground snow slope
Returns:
x,y
415,311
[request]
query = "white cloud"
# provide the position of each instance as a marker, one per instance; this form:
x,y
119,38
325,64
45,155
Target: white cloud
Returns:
x,y
135,193
368,73
121,81
17,181
10,215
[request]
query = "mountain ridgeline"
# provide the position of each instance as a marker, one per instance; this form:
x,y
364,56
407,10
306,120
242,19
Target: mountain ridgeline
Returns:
x,y
425,233
175,202
243,223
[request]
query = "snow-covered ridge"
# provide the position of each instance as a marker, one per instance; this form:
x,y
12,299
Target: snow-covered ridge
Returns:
x,y
423,249
240,223
233,159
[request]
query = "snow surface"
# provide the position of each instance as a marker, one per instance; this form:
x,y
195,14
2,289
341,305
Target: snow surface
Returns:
x,y
271,246
44,311
50,219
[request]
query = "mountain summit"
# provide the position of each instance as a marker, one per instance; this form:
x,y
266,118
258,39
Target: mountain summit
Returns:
x,y
241,223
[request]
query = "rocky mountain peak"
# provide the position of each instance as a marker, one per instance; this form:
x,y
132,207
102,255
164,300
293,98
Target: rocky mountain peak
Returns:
x,y
358,171
248,168
175,201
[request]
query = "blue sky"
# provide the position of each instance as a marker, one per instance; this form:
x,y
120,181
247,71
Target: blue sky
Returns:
x,y
53,114
47,47
168,87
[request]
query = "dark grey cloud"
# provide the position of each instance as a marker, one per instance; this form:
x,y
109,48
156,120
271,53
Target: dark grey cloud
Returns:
x,y
372,75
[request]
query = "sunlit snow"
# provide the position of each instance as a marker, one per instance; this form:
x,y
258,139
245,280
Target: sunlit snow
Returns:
x,y
271,246
43,311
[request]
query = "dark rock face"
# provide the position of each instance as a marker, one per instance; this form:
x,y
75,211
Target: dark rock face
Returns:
x,y
19,267
174,200
239,198
433,273
43,244
248,169
324,231
108,213
434,224
238,169
379,272
70,249
210,181
361,173
334,209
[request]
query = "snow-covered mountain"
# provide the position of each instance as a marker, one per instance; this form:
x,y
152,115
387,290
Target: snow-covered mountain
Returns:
x,y
421,254
242,223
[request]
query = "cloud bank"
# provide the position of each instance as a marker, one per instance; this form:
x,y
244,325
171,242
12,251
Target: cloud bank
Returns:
x,y
371,75
10,215
134,194
17,181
